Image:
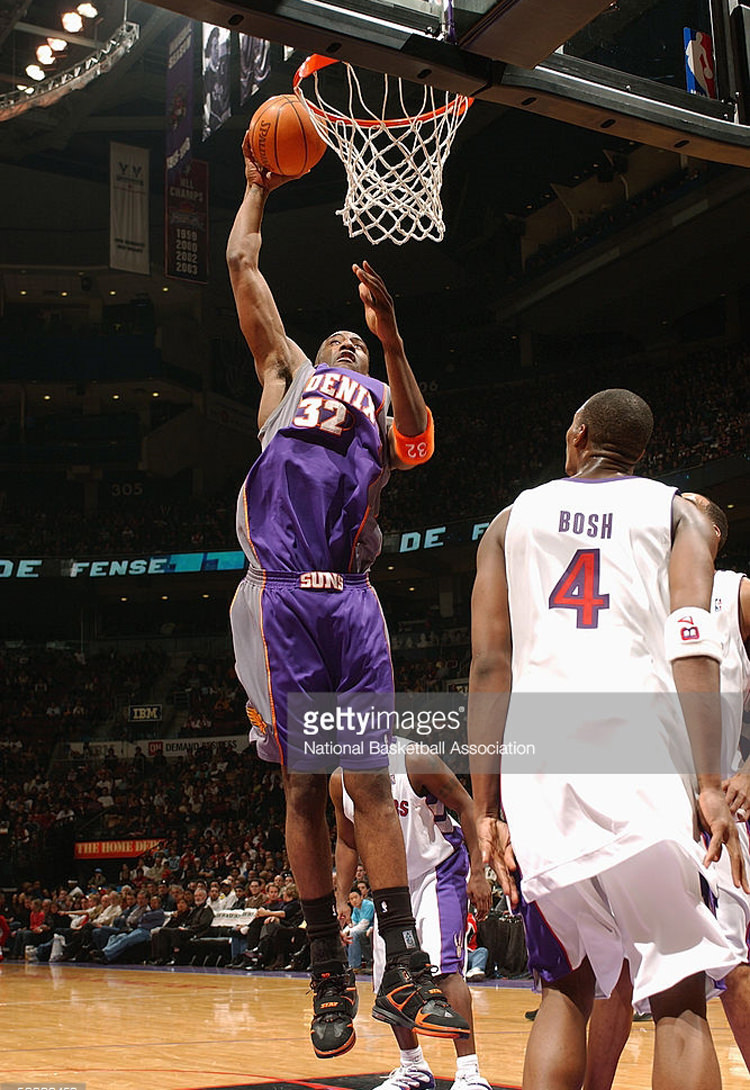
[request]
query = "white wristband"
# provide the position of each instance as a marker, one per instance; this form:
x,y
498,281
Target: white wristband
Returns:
x,y
691,633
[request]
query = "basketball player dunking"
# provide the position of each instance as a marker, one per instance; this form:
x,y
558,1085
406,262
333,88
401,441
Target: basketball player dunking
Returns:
x,y
305,619
442,855
611,1018
587,588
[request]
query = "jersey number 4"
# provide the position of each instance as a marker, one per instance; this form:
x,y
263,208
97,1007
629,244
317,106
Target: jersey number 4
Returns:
x,y
578,589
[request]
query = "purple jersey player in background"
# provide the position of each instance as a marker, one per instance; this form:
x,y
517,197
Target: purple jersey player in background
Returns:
x,y
305,619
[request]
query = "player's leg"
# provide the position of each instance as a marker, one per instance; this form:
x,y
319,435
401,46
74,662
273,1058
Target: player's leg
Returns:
x,y
458,995
408,995
308,842
441,906
672,941
573,944
556,1049
456,991
736,1001
413,1071
609,1029
684,1054
267,616
309,850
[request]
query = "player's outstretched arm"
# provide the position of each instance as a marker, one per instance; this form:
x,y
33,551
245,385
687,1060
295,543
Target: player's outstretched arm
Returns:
x,y
345,853
429,775
410,439
694,650
489,692
276,356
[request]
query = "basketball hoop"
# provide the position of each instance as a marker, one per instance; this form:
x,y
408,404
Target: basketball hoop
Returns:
x,y
394,164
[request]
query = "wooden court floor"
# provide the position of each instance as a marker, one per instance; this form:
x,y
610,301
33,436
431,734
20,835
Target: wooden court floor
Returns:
x,y
122,1029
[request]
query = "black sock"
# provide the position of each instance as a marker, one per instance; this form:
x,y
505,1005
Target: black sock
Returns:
x,y
396,922
323,930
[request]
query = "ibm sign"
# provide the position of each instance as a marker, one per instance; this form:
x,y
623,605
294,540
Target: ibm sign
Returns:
x,y
144,713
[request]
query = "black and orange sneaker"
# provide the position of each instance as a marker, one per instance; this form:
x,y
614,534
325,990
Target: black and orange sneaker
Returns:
x,y
350,984
335,1004
409,997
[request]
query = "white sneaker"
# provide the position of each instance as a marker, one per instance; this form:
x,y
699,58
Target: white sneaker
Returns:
x,y
409,1078
471,1080
475,974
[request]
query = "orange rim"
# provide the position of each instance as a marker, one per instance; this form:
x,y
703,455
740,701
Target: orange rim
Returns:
x,y
316,61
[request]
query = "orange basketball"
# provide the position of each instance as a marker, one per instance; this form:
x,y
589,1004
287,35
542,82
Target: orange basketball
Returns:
x,y
282,137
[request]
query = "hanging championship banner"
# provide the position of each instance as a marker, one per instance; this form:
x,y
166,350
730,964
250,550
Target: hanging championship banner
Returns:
x,y
180,100
216,104
128,208
186,223
255,64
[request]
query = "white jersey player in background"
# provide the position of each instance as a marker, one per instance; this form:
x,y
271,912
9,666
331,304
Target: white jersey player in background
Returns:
x,y
445,870
584,588
611,1019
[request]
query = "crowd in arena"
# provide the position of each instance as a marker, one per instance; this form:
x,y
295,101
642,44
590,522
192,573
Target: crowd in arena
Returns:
x,y
215,702
218,817
53,693
211,804
487,449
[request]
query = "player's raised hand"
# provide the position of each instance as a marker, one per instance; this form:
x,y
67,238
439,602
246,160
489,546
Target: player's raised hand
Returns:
x,y
255,175
380,313
717,820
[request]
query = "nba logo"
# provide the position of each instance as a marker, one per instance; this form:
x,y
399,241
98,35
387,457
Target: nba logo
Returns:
x,y
699,63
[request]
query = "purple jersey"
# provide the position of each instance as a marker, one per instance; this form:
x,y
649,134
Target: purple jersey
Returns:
x,y
310,501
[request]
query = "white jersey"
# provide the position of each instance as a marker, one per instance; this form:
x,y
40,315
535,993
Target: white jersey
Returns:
x,y
735,666
430,834
587,565
588,586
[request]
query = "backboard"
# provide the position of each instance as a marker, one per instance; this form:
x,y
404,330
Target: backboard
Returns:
x,y
670,73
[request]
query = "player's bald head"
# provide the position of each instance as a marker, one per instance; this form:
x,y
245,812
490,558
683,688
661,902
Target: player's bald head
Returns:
x,y
344,349
713,513
618,422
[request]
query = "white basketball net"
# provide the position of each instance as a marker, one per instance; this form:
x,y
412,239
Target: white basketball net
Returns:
x,y
394,165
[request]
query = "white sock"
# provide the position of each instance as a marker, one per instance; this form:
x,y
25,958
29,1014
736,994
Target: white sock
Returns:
x,y
467,1065
413,1057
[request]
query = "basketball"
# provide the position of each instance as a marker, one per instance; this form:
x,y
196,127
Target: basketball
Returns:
x,y
282,138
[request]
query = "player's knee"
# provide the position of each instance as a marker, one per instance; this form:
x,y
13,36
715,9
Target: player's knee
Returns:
x,y
370,790
306,789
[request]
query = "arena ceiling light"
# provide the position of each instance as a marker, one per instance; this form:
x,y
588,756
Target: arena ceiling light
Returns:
x,y
45,54
71,21
57,45
87,10
103,57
